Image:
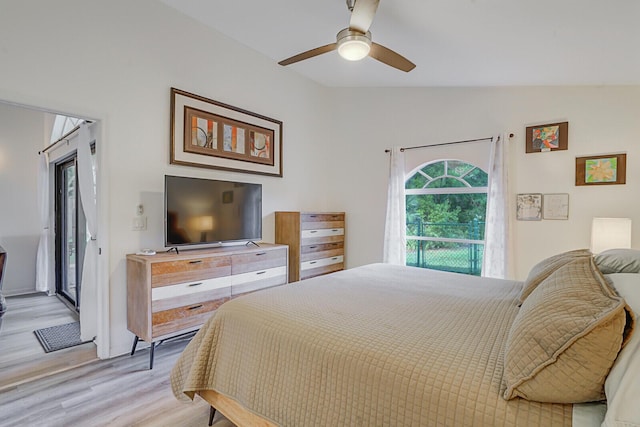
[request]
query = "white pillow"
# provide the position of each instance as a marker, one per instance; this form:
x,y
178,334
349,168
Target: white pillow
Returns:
x,y
618,261
622,386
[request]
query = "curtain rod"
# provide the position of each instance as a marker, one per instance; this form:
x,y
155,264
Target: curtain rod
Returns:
x,y
446,143
63,138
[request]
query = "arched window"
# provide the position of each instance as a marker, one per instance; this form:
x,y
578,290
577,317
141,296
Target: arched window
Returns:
x,y
446,207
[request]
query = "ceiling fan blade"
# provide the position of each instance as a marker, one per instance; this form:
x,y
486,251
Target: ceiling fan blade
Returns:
x,y
362,15
390,57
309,54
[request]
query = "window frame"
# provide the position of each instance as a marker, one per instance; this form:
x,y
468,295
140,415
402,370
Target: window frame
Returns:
x,y
467,189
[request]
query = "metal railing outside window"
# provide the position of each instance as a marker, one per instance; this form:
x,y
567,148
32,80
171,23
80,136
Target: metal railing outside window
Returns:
x,y
446,246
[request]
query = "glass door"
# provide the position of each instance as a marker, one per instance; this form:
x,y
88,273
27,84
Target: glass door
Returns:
x,y
71,235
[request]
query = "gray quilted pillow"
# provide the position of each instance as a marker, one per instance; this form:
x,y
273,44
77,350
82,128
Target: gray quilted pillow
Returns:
x,y
619,261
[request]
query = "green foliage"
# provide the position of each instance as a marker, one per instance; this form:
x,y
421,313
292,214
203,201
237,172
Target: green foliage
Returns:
x,y
445,182
458,216
434,170
477,178
456,208
447,207
416,181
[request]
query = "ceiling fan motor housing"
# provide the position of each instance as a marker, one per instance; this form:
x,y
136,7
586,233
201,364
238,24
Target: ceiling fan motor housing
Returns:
x,y
353,45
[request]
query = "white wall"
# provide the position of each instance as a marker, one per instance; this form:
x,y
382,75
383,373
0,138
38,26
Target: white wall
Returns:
x,y
21,136
116,62
601,120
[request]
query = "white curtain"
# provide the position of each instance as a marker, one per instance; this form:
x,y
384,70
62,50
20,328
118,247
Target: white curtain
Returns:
x,y
395,240
88,289
495,261
43,275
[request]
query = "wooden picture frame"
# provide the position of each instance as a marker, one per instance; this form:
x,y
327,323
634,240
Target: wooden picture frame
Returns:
x,y
529,207
606,169
209,134
547,137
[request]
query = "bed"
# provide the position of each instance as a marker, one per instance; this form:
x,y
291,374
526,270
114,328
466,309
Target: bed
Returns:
x,y
391,345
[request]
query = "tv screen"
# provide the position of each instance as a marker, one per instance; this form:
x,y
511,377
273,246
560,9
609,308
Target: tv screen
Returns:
x,y
206,211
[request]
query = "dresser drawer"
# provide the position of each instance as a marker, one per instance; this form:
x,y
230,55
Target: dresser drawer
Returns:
x,y
321,254
318,271
321,237
321,247
188,316
321,225
190,298
189,270
322,232
171,291
321,217
249,282
262,260
306,265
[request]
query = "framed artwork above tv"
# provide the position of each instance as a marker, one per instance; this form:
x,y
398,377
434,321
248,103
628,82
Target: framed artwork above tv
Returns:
x,y
209,134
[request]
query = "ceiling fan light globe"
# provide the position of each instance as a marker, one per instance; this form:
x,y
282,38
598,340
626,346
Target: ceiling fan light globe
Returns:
x,y
352,45
354,50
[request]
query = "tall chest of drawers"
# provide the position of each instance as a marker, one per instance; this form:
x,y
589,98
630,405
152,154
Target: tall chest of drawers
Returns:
x,y
169,294
316,242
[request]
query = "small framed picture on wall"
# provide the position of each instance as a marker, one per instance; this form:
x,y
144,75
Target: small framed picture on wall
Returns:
x,y
529,207
548,137
555,206
606,169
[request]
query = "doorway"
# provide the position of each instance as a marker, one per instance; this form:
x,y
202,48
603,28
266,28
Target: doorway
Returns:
x,y
24,131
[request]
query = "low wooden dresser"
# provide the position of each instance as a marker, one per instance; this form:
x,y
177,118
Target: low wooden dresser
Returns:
x,y
315,240
170,294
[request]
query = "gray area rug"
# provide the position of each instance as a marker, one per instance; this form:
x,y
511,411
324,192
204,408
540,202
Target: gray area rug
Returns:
x,y
59,337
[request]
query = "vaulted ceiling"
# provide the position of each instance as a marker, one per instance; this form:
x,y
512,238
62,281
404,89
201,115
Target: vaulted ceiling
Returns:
x,y
452,42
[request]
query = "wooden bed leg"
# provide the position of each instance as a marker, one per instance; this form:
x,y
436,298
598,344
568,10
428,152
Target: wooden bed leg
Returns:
x,y
212,412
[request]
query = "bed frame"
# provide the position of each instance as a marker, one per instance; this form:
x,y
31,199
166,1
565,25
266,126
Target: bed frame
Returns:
x,y
232,410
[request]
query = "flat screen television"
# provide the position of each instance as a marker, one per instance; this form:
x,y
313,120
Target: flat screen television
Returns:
x,y
207,211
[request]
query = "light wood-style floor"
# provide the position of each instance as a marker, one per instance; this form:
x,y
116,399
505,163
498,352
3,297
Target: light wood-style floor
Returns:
x,y
116,392
22,358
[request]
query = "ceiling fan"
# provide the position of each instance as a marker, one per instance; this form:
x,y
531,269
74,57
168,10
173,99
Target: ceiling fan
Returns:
x,y
354,43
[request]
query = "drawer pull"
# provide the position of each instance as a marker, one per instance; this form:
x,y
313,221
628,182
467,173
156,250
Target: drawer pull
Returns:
x,y
261,253
312,247
261,272
334,230
313,262
195,284
197,261
334,258
313,231
312,216
196,307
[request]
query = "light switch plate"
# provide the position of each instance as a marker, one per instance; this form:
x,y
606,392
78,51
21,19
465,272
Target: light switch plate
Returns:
x,y
139,223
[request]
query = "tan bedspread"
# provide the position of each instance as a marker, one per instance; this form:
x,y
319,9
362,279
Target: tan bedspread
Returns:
x,y
377,345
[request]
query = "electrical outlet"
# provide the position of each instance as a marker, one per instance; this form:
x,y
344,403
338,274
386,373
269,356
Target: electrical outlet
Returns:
x,y
139,223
